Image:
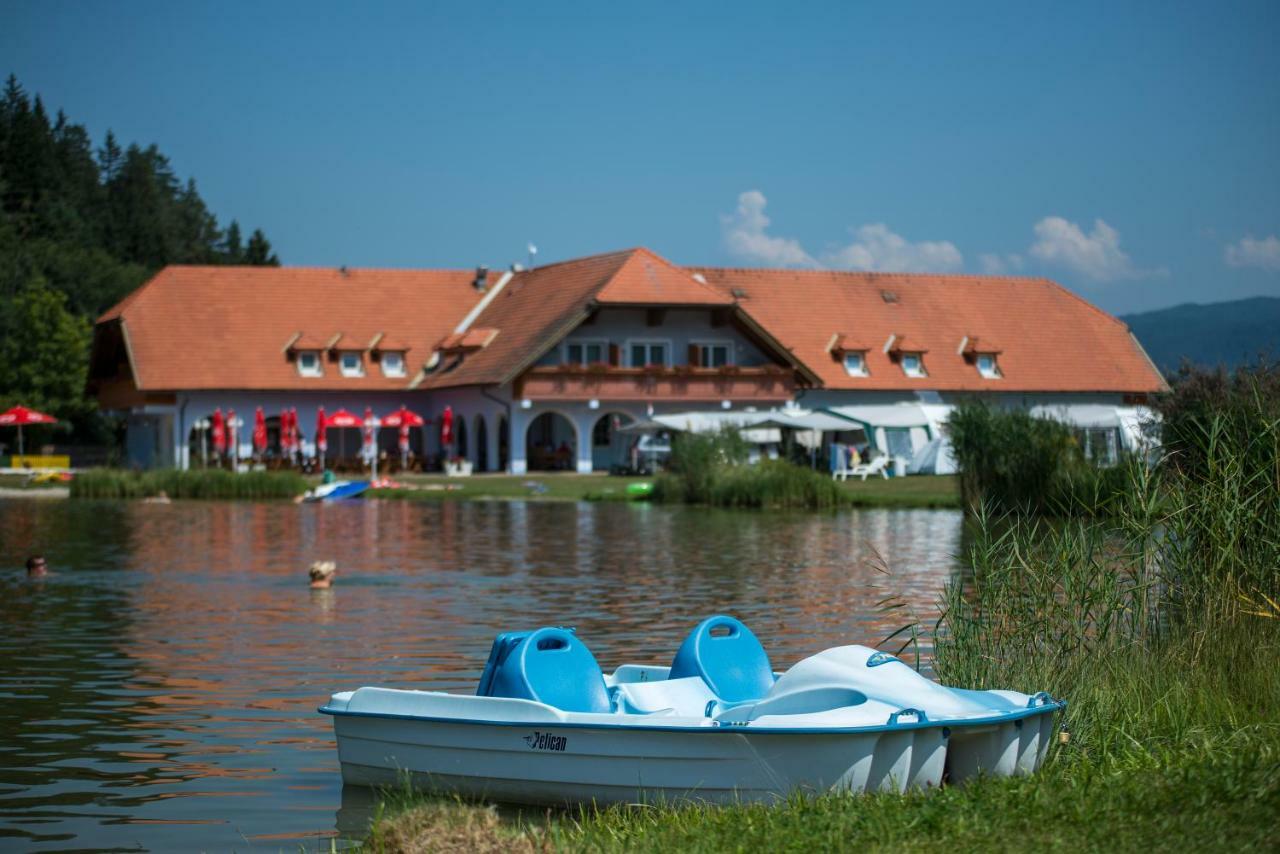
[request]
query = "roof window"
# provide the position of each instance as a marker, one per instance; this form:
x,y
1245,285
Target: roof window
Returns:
x,y
392,362
987,365
309,364
351,364
855,363
913,365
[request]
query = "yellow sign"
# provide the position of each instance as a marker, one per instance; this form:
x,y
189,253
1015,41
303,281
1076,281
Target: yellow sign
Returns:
x,y
35,461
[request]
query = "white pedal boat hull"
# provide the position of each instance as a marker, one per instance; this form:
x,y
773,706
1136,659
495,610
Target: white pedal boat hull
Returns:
x,y
521,751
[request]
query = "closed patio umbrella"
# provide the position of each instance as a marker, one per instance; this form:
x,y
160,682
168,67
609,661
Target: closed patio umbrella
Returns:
x,y
322,443
20,416
446,429
370,448
219,429
259,432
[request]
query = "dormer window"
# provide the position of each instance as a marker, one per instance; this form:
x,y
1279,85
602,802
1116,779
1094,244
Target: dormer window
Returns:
x,y
351,364
987,366
913,365
855,363
392,364
309,364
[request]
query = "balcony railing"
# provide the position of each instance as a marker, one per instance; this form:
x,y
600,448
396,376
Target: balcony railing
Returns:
x,y
680,382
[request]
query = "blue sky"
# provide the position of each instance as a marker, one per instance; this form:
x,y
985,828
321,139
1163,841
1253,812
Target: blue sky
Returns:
x,y
1130,151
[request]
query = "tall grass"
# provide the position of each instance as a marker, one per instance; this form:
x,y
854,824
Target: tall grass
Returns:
x,y
1159,623
711,468
204,483
1011,460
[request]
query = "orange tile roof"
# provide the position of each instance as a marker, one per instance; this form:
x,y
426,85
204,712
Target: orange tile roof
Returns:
x,y
1052,340
226,327
538,307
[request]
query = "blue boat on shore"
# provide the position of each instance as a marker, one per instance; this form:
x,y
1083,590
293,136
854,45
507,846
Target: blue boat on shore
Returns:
x,y
547,726
339,490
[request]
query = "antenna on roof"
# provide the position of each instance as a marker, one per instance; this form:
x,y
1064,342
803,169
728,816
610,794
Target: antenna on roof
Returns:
x,y
533,250
343,269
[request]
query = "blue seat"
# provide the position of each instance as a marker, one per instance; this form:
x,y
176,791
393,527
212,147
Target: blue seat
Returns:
x,y
549,665
728,657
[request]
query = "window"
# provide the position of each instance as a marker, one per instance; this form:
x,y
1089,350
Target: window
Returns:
x,y
913,365
309,363
351,365
987,366
393,364
855,364
585,352
645,353
714,354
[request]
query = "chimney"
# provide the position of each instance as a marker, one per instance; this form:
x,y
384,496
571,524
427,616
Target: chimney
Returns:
x,y
482,274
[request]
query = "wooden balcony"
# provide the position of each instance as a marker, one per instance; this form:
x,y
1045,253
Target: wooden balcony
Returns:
x,y
767,383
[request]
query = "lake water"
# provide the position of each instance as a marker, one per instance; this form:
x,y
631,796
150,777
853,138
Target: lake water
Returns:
x,y
158,689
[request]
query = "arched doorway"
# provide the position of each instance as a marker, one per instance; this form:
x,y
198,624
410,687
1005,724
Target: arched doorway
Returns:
x,y
551,443
460,437
482,444
504,444
608,447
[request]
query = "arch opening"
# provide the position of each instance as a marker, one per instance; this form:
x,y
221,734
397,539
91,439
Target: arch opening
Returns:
x,y
551,443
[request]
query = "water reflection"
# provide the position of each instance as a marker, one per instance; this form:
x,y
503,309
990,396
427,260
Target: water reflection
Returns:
x,y
160,685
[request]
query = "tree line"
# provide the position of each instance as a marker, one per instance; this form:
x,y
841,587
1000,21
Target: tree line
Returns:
x,y
80,227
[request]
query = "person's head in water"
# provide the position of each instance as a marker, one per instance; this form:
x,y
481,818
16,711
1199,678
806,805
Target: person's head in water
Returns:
x,y
36,565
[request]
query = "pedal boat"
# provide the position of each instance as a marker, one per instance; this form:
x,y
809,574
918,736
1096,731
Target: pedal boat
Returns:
x,y
547,727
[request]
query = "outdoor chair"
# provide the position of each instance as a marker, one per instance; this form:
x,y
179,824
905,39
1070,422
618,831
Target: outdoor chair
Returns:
x,y
880,466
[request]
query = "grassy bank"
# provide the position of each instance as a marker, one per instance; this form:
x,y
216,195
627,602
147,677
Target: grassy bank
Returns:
x,y
201,483
924,491
1159,622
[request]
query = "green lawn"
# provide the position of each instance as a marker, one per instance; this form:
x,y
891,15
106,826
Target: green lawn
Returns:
x,y
922,491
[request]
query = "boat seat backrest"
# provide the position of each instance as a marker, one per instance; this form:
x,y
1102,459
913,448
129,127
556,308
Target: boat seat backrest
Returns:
x,y
728,657
550,665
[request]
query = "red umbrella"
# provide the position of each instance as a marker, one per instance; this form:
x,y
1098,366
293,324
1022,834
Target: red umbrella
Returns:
x,y
20,416
401,417
284,433
343,418
219,433
322,444
259,431
446,427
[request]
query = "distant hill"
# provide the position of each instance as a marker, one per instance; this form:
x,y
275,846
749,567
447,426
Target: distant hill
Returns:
x,y
1217,333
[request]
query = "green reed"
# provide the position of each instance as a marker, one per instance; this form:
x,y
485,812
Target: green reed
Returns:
x,y
202,483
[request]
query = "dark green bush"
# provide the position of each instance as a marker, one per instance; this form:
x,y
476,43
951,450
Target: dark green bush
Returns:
x,y
711,468
1010,460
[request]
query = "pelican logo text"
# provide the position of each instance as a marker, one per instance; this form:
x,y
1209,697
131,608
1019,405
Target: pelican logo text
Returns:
x,y
545,741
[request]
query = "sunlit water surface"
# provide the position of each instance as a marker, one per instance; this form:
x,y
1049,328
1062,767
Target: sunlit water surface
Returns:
x,y
158,689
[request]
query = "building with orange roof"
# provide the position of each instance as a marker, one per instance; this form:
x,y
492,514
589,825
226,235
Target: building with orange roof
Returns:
x,y
540,367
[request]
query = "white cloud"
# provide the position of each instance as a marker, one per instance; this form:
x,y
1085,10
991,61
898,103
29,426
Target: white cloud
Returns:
x,y
1096,255
1000,265
875,247
1249,252
744,234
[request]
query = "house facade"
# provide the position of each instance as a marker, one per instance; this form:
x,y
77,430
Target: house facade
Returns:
x,y
540,367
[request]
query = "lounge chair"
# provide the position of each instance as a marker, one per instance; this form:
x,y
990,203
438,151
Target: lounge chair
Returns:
x,y
880,466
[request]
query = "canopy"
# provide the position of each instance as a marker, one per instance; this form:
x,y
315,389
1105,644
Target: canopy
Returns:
x,y
823,421
404,417
343,418
20,416
884,414
1079,414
